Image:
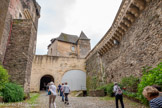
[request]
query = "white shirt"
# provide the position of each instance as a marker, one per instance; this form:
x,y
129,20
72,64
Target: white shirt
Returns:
x,y
62,88
66,89
52,88
115,89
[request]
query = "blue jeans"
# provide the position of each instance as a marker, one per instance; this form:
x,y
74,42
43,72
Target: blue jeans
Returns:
x,y
62,94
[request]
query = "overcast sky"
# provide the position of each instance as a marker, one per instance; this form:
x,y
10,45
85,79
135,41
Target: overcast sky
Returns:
x,y
93,17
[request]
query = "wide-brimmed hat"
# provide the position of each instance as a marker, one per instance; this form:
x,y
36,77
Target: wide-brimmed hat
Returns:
x,y
51,83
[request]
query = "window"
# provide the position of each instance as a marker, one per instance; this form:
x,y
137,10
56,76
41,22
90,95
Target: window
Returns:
x,y
20,16
73,48
51,50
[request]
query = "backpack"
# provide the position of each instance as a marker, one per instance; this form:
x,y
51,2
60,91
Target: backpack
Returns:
x,y
119,91
49,92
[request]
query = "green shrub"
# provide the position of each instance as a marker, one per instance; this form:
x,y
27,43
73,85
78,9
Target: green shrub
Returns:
x,y
88,83
3,77
110,89
150,77
130,94
103,88
130,83
0,93
107,88
94,82
12,92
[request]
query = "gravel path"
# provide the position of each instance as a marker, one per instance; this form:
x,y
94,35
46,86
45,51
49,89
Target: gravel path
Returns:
x,y
75,102
85,102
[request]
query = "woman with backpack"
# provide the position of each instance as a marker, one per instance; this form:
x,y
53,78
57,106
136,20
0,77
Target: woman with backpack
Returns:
x,y
118,95
52,95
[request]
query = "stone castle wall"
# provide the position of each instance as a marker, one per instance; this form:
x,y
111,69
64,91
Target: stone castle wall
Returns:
x,y
140,46
60,48
5,36
16,9
83,48
52,50
20,52
18,32
52,65
4,29
64,49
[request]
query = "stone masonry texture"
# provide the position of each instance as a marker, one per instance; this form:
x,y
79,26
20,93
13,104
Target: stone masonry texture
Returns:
x,y
18,32
61,48
20,52
6,35
54,66
140,46
84,48
3,34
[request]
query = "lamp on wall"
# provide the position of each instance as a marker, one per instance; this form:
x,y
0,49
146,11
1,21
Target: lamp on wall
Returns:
x,y
116,42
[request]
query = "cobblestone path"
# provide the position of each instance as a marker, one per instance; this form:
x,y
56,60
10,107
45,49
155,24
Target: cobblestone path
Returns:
x,y
84,102
75,102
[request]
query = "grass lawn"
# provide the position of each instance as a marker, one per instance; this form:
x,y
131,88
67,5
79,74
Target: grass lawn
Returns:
x,y
107,98
33,98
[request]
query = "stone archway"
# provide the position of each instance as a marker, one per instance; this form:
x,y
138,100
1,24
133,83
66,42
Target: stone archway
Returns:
x,y
76,79
45,80
54,66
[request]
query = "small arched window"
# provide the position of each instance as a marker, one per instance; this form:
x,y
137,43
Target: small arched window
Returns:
x,y
73,48
20,16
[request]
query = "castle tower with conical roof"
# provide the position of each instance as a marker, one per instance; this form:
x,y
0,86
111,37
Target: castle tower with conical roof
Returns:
x,y
83,45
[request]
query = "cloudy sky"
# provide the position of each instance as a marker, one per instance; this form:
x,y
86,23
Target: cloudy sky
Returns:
x,y
93,17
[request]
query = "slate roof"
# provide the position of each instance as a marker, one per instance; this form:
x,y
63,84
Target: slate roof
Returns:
x,y
83,36
69,38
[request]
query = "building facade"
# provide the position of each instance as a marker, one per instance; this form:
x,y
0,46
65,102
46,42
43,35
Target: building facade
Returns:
x,y
134,41
64,62
18,33
69,46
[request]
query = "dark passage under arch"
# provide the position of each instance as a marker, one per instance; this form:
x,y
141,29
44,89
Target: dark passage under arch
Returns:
x,y
45,80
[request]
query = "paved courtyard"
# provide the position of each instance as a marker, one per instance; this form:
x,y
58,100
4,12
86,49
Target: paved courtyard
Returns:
x,y
85,102
75,102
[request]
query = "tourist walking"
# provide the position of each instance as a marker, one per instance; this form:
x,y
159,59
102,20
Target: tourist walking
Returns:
x,y
47,88
52,95
66,91
62,93
152,95
118,95
59,89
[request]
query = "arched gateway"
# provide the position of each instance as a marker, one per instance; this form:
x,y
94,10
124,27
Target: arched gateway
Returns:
x,y
45,80
76,79
67,52
57,69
